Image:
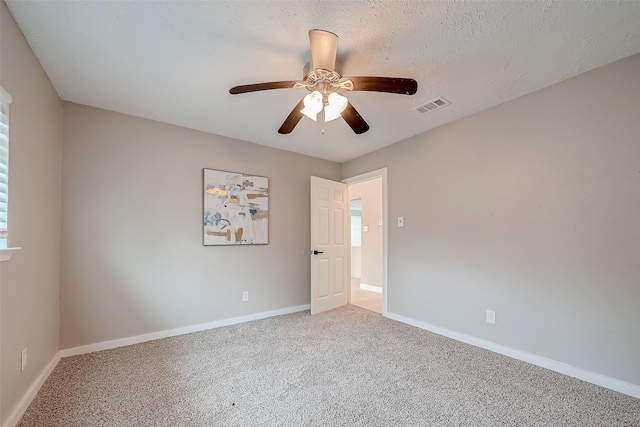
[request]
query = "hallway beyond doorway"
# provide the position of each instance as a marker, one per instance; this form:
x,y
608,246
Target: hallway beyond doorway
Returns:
x,y
365,299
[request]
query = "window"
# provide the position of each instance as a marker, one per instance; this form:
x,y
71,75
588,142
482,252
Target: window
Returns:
x,y
356,222
5,100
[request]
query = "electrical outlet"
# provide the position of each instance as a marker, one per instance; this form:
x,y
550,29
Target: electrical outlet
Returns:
x,y
491,316
23,359
245,296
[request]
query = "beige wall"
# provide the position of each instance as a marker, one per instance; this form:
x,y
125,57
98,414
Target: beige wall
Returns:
x,y
530,209
370,254
132,254
30,281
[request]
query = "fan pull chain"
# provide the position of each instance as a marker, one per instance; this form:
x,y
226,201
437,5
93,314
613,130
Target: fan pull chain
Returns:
x,y
321,120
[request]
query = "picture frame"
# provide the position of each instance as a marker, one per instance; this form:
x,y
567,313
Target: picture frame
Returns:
x,y
235,208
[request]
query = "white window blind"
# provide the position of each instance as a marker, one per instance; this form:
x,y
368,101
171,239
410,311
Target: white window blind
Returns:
x,y
5,100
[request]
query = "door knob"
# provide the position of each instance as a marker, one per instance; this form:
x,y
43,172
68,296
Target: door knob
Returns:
x,y
316,252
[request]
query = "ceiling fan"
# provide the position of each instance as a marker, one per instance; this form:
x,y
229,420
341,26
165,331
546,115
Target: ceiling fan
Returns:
x,y
323,81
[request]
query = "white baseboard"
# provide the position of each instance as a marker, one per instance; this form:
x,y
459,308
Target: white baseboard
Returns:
x,y
24,403
107,345
26,400
592,377
371,288
572,371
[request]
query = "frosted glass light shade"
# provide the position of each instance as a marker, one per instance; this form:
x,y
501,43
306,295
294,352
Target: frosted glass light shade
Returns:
x,y
312,105
310,114
337,104
330,114
313,101
337,101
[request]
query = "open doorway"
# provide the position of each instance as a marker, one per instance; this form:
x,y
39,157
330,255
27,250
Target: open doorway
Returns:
x,y
367,243
330,236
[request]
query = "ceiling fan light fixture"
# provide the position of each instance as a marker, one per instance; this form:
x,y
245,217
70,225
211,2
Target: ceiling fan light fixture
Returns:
x,y
312,105
310,114
323,80
314,101
330,114
336,104
337,101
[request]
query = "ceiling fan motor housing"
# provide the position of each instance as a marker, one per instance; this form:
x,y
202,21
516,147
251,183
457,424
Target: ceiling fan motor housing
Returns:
x,y
308,68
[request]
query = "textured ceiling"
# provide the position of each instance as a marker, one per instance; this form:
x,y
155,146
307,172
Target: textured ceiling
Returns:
x,y
175,61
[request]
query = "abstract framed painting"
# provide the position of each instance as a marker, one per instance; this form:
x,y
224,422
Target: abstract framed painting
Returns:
x,y
236,208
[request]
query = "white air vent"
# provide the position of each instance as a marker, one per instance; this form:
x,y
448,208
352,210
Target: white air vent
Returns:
x,y
432,105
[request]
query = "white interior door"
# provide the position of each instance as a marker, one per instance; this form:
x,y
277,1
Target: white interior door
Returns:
x,y
329,244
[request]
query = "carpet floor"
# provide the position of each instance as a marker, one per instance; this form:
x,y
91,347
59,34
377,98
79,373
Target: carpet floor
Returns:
x,y
346,367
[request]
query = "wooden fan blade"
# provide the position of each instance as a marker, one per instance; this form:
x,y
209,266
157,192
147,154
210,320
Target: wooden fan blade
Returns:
x,y
261,86
324,47
292,119
385,84
354,120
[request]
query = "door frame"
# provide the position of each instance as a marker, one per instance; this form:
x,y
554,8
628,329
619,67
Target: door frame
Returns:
x,y
378,173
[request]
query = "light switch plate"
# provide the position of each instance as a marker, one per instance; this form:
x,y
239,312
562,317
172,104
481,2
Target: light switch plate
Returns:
x,y
400,221
23,359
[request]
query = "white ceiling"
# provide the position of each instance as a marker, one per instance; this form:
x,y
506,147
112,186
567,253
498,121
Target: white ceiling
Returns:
x,y
175,61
